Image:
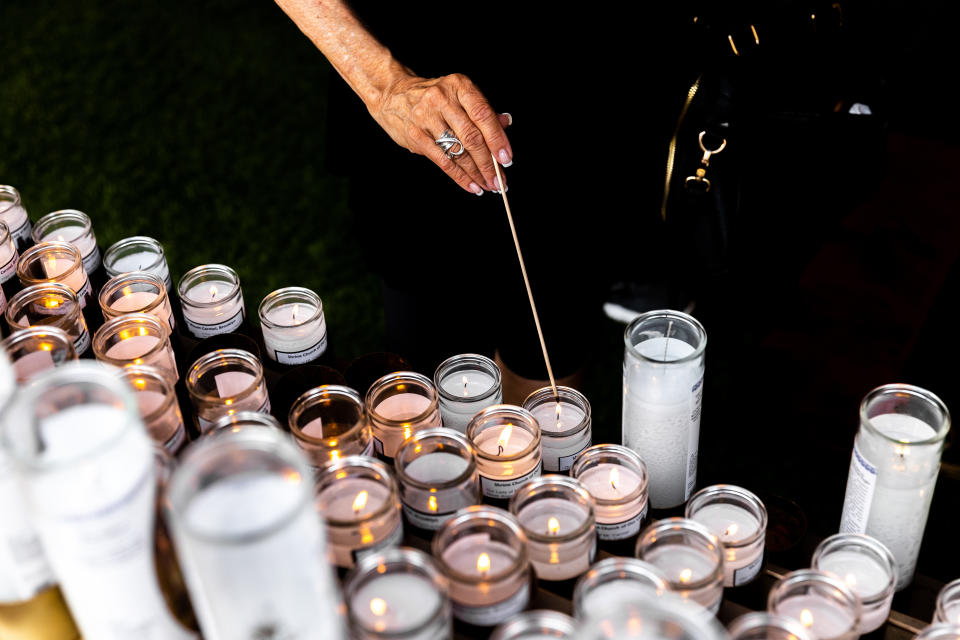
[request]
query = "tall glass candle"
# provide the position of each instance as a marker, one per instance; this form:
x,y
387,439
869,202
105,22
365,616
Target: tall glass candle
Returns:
x,y
537,625
329,422
251,545
820,601
157,402
9,256
137,292
616,477
137,253
224,382
55,262
136,338
50,305
739,521
70,225
14,216
760,625
948,603
211,299
662,391
88,474
398,405
565,425
294,328
506,440
466,383
688,555
893,470
36,349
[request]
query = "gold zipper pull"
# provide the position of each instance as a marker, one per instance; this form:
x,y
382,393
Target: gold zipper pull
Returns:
x,y
700,180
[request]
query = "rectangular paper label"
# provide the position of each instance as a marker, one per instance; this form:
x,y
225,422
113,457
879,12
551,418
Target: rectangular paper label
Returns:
x,y
494,614
861,484
565,462
745,574
91,261
299,357
9,270
392,540
622,530
426,520
206,330
502,489
82,342
85,293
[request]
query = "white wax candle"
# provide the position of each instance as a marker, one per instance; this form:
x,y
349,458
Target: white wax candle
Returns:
x,y
395,603
622,590
403,406
225,313
559,451
352,498
556,517
133,301
86,244
825,618
463,556
733,524
135,349
436,468
469,388
54,268
15,217
142,260
494,599
296,336
507,440
682,565
867,577
8,260
617,483
952,612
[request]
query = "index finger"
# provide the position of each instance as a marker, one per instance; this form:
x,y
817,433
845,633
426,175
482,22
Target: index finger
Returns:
x,y
483,115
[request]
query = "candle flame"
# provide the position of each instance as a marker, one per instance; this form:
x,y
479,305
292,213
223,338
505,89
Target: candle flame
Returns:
x,y
140,383
60,238
902,450
731,530
213,292
483,563
126,291
50,303
360,501
142,331
559,411
465,381
614,478
685,575
851,579
46,346
504,438
51,265
806,618
378,606
553,526
293,477
293,314
334,455
406,431
432,503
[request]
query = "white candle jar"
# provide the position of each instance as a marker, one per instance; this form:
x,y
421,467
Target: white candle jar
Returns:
x,y
50,305
663,369
760,625
35,349
133,339
867,567
75,227
329,423
400,594
14,216
466,384
537,625
242,419
651,619
360,503
893,470
689,556
294,329
437,473
738,519
506,441
224,382
157,402
137,253
241,511
9,256
948,603
556,514
137,292
483,553
55,262
616,579
821,602
211,300
565,425
616,477
940,631
88,474
398,405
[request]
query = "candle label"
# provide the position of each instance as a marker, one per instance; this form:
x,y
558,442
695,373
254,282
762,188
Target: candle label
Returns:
x,y
378,449
503,489
206,330
861,484
299,357
746,574
565,462
392,540
693,449
82,342
91,261
426,519
494,614
622,530
175,441
23,565
8,270
85,293
22,235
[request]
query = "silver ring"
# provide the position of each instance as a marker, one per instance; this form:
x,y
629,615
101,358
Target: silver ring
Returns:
x,y
448,141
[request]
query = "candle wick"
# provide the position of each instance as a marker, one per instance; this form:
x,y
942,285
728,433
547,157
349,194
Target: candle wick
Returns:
x,y
499,449
666,343
612,484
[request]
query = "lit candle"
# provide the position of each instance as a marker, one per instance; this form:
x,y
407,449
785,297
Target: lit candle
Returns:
x,y
616,580
55,262
137,253
294,328
158,405
211,299
8,256
329,422
565,425
224,382
75,227
688,556
867,567
506,441
14,216
770,626
35,349
400,404
137,292
948,604
739,521
822,603
50,305
134,339
616,477
466,383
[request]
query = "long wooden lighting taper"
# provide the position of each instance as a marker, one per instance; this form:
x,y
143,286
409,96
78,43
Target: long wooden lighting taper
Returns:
x,y
526,280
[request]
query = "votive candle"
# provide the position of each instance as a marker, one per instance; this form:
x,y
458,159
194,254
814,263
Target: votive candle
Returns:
x,y
565,425
466,384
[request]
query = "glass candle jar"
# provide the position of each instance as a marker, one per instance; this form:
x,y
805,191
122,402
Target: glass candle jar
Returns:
x,y
50,305
137,292
556,514
616,579
616,477
241,512
398,593
663,369
329,423
537,625
14,216
739,521
136,338
893,470
70,225
157,402
9,256
565,425
137,253
689,557
242,419
760,625
437,474
211,299
88,474
948,603
36,349
400,404
294,329
55,262
941,631
466,384
652,619
224,382
867,567
506,441
820,601
483,553
360,503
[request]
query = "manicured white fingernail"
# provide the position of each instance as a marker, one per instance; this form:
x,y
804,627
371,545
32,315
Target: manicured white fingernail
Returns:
x,y
476,188
509,118
505,159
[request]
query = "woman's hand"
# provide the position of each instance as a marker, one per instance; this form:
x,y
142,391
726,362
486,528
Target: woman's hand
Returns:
x,y
416,111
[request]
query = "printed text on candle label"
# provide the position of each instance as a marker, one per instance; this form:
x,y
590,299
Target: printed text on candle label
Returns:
x,y
392,540
493,614
697,402
8,270
426,520
22,234
85,293
565,462
622,530
861,484
299,357
82,343
745,574
91,261
21,553
497,488
206,330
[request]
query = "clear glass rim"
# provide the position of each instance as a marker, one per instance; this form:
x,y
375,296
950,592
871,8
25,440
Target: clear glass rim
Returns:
x,y
246,419
838,590
874,547
367,465
39,332
656,529
5,233
617,567
949,593
938,631
110,255
33,293
14,200
125,280
203,273
520,418
220,357
49,223
620,454
670,314
397,378
467,361
565,487
545,394
309,398
490,517
760,619
914,392
743,498
557,623
36,252
435,433
146,371
121,323
284,295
